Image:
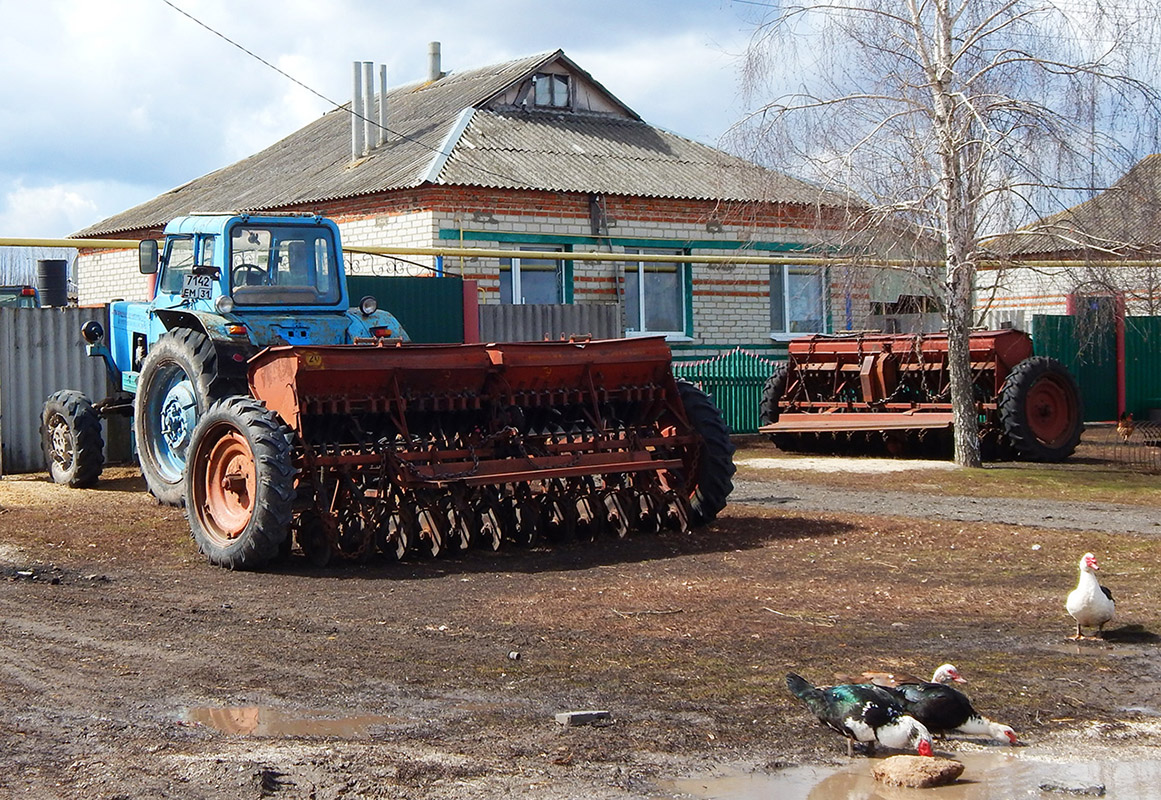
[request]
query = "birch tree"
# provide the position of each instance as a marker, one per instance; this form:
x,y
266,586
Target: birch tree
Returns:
x,y
962,118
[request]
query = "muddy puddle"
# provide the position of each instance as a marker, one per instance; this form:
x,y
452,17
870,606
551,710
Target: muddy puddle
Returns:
x,y
270,722
986,776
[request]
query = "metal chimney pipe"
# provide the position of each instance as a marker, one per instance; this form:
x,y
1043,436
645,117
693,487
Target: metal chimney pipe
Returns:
x,y
382,138
434,68
357,143
369,134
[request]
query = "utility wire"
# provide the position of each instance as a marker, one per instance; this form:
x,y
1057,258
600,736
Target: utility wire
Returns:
x,y
341,106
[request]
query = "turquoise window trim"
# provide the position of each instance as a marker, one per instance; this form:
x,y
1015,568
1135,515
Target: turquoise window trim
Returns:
x,y
566,267
455,234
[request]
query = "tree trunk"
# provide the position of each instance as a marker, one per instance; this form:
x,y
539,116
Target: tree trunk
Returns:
x,y
965,415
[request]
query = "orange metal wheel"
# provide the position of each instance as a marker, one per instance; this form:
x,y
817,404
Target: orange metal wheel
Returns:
x,y
229,486
240,484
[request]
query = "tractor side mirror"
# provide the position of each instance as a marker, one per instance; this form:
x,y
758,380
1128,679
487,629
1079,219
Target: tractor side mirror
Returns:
x,y
147,256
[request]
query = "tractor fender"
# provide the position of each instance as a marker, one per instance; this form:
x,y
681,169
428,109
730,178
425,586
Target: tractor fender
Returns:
x,y
360,327
233,350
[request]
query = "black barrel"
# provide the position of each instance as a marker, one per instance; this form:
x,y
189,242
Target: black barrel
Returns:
x,y
52,281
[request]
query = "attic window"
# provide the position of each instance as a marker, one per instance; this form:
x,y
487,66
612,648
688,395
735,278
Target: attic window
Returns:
x,y
552,90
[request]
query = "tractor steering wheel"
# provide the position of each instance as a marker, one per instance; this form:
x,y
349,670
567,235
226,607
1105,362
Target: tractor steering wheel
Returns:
x,y
246,270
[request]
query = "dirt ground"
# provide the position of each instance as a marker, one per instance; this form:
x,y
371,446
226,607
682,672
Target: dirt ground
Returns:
x,y
130,668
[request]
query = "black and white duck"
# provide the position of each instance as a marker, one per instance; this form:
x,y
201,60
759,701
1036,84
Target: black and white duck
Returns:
x,y
944,709
863,713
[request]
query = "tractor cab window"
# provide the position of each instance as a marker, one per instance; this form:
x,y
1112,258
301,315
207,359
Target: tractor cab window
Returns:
x,y
177,263
283,265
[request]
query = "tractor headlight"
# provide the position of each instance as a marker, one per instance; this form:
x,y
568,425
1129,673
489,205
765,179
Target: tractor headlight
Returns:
x,y
368,305
224,304
92,332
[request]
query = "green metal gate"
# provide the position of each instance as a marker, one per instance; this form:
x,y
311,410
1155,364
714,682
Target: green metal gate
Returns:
x,y
431,310
735,381
1091,357
1142,365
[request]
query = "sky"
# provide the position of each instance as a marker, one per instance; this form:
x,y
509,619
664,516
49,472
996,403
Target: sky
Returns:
x,y
104,105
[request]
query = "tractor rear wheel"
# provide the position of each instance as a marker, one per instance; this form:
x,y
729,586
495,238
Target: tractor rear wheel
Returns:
x,y
715,463
239,484
1040,410
174,388
70,433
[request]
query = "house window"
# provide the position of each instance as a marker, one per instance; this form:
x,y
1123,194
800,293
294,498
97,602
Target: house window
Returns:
x,y
552,91
797,299
655,294
524,281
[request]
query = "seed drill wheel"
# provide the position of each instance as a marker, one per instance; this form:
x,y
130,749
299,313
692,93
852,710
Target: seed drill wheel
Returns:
x,y
70,433
1040,410
239,484
772,392
173,390
768,410
715,464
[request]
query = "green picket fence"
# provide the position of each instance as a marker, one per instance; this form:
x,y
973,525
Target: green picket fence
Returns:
x,y
734,380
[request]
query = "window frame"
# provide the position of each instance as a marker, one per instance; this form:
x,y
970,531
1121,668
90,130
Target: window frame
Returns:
x,y
513,267
553,80
684,292
784,293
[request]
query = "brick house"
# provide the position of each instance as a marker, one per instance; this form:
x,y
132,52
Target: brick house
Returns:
x,y
1115,237
535,154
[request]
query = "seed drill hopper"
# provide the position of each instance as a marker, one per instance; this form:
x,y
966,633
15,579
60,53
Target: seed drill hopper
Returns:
x,y
436,448
844,393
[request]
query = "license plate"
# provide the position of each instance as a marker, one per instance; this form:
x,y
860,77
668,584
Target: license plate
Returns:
x,y
197,287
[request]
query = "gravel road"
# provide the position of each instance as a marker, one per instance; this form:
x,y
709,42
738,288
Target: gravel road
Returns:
x,y
1027,512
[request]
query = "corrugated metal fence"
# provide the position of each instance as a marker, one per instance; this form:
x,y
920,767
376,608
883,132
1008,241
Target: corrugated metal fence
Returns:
x,y
40,352
534,323
735,381
1091,357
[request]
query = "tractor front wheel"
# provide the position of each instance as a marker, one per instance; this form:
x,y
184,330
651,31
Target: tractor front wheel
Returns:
x,y
239,484
1040,410
70,433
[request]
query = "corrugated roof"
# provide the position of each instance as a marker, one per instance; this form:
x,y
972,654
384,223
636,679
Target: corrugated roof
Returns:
x,y
583,152
1125,219
610,155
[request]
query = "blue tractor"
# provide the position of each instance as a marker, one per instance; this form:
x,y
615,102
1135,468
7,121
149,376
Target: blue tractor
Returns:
x,y
227,286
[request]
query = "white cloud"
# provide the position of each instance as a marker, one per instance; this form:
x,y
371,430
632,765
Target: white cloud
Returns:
x,y
56,210
131,93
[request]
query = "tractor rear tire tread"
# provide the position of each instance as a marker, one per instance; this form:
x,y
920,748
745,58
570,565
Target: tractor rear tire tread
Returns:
x,y
268,527
716,468
84,428
194,353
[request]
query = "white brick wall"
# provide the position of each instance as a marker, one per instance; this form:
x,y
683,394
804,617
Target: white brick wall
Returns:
x,y
107,275
730,302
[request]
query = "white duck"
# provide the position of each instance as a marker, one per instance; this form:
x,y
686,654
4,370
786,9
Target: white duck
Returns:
x,y
1090,604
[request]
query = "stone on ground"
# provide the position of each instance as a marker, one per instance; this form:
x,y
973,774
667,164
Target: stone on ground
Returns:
x,y
917,772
